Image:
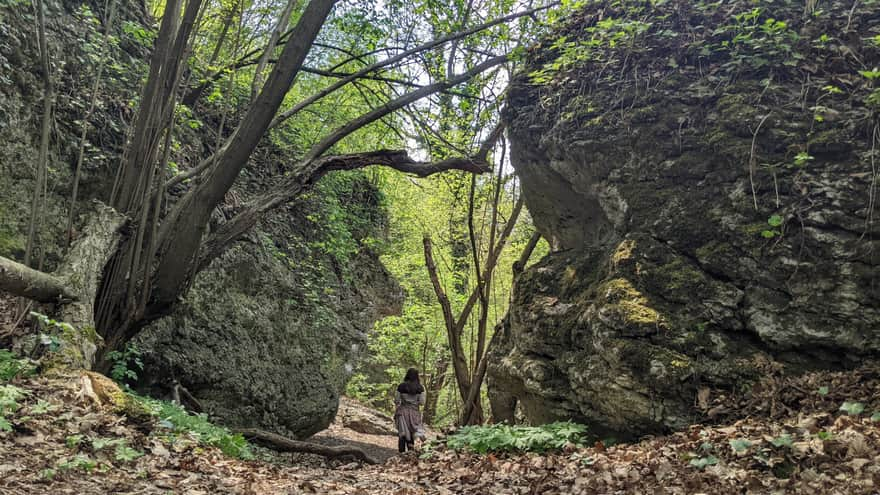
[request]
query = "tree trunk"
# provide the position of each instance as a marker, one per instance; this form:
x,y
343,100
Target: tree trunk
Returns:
x,y
468,384
74,286
435,385
39,198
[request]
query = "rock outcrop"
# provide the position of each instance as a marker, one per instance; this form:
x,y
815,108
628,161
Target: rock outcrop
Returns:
x,y
268,334
707,177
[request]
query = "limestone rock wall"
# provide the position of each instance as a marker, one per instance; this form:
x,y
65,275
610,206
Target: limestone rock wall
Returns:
x,y
707,182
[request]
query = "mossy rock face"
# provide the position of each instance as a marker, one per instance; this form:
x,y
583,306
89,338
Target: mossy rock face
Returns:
x,y
707,207
269,333
68,30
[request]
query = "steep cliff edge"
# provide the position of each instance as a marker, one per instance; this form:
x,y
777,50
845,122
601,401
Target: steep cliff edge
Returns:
x,y
707,176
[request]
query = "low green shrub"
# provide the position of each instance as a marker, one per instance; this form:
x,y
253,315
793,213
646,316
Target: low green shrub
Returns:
x,y
506,438
177,419
9,397
12,366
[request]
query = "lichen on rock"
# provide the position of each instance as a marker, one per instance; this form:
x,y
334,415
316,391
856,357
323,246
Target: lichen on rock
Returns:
x,y
707,203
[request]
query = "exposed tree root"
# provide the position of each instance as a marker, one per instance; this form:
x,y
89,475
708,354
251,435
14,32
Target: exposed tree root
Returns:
x,y
285,444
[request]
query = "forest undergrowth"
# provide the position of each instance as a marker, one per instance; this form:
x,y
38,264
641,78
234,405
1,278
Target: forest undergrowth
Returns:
x,y
818,433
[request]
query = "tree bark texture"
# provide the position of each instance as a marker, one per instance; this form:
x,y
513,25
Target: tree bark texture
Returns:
x,y
285,444
24,281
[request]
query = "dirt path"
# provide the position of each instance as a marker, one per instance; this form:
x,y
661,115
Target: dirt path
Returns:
x,y
379,447
361,426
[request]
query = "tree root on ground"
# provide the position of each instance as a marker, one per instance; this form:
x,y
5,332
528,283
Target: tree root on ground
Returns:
x,y
285,444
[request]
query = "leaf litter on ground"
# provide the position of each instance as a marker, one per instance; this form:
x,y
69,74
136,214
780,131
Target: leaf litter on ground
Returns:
x,y
62,443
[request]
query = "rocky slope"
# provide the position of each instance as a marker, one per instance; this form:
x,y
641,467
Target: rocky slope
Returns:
x,y
269,332
707,177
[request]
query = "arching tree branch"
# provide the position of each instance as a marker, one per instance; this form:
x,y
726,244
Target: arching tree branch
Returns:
x,y
295,184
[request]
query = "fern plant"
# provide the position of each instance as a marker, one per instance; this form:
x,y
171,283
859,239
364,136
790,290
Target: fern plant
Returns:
x,y
177,419
506,438
12,366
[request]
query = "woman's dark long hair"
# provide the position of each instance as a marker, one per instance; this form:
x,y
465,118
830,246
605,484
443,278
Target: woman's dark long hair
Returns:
x,y
411,383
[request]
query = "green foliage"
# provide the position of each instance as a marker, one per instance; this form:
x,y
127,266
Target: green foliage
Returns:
x,y
873,100
824,435
754,43
361,389
872,74
852,408
740,445
506,438
78,463
9,397
121,451
124,453
823,391
11,366
177,419
140,34
703,462
607,35
124,364
875,418
774,221
42,407
782,441
73,441
52,329
351,209
103,443
417,337
802,158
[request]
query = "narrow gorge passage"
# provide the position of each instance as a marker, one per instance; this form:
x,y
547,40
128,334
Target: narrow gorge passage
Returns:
x,y
586,247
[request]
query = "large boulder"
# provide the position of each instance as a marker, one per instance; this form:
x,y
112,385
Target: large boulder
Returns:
x,y
707,179
271,331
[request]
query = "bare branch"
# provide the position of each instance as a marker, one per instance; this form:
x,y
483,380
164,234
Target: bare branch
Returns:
x,y
520,264
283,19
284,444
297,182
490,261
396,104
384,63
453,334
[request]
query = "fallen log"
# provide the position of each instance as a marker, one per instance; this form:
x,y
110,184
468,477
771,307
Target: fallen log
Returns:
x,y
285,444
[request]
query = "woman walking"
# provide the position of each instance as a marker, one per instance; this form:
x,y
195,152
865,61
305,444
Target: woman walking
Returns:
x,y
407,418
